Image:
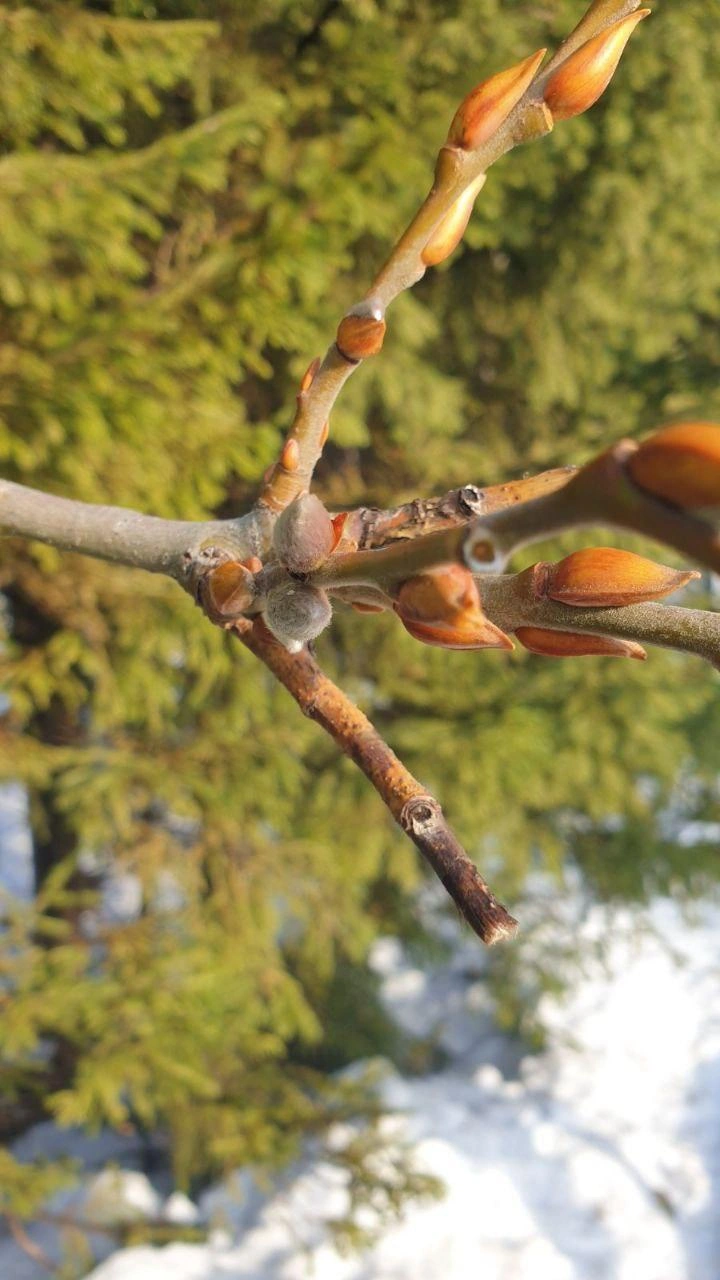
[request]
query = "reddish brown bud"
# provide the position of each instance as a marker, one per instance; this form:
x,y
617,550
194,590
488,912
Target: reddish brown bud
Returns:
x,y
450,231
309,375
489,104
361,333
361,606
228,591
585,75
304,535
338,523
598,577
573,644
680,464
442,607
290,456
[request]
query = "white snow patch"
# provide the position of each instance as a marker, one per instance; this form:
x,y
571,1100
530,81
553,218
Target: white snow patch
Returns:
x,y
120,1195
599,1160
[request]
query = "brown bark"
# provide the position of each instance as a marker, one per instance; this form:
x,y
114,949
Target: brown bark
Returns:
x,y
412,807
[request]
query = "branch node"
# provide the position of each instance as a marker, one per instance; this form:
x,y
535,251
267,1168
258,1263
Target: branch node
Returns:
x,y
420,815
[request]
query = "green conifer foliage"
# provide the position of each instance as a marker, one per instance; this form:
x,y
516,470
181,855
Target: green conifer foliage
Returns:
x,y
190,194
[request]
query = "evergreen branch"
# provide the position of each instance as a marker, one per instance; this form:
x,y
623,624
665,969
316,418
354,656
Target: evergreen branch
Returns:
x,y
159,1230
124,536
412,807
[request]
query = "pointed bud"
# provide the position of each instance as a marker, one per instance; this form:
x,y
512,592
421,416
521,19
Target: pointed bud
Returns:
x,y
488,105
450,231
599,15
442,607
680,464
296,612
290,456
361,332
583,77
573,644
601,577
304,534
309,375
361,606
338,523
228,591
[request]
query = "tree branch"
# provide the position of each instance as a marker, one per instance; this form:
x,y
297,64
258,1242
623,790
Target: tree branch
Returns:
x,y
508,600
458,170
601,493
410,804
368,528
124,536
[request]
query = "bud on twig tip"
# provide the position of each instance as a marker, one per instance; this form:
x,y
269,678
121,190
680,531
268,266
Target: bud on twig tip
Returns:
x,y
584,76
680,464
296,612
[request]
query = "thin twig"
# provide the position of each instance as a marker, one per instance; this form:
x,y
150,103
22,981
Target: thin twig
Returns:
x,y
509,602
412,807
601,493
369,527
456,170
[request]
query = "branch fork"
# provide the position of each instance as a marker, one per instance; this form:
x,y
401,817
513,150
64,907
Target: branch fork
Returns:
x,y
271,575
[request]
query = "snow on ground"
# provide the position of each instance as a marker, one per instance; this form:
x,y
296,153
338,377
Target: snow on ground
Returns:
x,y
595,1159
